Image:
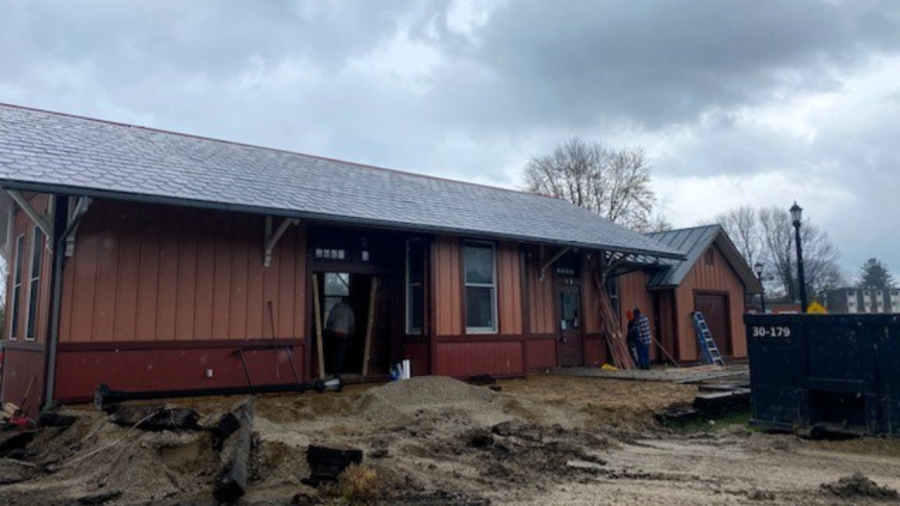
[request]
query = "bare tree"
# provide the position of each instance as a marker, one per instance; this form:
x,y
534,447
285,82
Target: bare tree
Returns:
x,y
743,226
767,235
614,184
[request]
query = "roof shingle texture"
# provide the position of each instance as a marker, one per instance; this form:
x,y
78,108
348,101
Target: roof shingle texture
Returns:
x,y
86,156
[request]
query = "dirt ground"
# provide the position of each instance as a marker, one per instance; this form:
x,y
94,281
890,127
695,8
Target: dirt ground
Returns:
x,y
436,441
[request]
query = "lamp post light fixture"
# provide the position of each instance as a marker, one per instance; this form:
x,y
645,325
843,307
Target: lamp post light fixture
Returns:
x,y
796,216
762,295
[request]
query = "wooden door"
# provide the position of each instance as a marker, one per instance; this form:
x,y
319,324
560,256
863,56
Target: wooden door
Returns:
x,y
714,308
571,339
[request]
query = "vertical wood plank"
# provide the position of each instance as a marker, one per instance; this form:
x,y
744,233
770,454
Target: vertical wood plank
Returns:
x,y
188,268
284,305
255,280
206,272
126,308
221,283
300,282
169,294
271,289
85,267
107,266
148,283
240,262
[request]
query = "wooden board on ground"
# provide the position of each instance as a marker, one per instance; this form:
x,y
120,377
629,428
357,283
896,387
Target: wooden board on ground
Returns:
x,y
679,375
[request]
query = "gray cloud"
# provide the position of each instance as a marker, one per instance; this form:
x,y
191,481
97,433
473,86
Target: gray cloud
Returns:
x,y
400,84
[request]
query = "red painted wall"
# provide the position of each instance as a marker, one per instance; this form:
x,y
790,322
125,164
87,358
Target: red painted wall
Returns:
x,y
497,358
541,353
145,273
20,367
81,370
24,358
419,355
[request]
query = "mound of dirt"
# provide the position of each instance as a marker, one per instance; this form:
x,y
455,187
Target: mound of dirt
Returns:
x,y
398,400
523,453
860,486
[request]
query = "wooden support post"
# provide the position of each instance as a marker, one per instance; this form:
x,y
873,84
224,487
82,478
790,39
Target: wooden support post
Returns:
x,y
317,309
370,326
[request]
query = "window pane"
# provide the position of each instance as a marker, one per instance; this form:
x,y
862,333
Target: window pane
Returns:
x,y
18,273
337,284
14,323
415,309
569,306
415,261
36,248
479,264
17,288
480,308
32,310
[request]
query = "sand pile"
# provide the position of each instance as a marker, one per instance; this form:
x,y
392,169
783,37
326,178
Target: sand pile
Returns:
x,y
402,401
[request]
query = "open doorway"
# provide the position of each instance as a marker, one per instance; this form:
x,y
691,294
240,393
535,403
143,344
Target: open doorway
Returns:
x,y
366,348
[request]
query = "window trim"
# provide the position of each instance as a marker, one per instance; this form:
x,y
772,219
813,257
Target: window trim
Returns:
x,y
34,282
407,317
493,286
17,283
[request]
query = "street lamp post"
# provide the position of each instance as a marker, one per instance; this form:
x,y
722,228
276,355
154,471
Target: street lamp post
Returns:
x,y
762,294
796,215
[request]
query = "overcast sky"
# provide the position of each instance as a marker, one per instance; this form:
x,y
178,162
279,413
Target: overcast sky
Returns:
x,y
738,102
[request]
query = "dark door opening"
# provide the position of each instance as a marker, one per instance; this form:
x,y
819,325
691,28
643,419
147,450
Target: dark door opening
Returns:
x,y
372,320
714,308
571,342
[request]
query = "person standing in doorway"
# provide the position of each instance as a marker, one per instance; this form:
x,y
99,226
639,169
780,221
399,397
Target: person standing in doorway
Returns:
x,y
631,337
642,329
340,326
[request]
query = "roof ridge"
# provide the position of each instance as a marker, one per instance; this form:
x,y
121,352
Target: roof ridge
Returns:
x,y
277,150
685,229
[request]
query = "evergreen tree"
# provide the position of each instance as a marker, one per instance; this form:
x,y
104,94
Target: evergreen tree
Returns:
x,y
874,274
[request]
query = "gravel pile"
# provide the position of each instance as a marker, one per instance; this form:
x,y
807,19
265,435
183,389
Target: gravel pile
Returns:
x,y
402,399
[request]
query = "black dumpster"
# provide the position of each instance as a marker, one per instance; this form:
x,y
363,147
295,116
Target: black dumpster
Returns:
x,y
831,373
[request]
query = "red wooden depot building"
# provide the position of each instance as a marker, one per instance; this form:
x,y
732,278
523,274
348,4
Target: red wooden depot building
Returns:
x,y
155,261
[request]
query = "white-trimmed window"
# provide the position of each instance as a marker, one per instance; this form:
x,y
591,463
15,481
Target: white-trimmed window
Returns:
x,y
34,283
481,287
16,290
415,287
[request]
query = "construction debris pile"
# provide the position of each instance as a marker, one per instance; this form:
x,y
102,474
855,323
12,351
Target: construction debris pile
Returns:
x,y
425,441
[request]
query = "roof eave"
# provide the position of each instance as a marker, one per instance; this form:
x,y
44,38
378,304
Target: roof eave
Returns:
x,y
325,218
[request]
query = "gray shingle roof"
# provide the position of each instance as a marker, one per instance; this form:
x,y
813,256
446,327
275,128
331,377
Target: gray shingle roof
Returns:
x,y
55,152
692,242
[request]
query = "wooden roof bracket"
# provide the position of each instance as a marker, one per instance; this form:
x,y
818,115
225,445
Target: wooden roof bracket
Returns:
x,y
273,237
40,220
81,208
559,254
609,262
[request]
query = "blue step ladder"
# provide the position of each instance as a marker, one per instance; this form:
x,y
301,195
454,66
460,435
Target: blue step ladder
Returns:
x,y
709,351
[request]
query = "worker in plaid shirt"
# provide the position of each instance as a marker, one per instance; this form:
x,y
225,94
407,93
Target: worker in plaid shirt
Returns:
x,y
642,327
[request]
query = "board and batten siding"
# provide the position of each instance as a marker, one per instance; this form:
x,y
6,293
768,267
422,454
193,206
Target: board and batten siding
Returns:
x,y
716,278
458,353
447,278
633,293
24,359
155,273
22,225
542,297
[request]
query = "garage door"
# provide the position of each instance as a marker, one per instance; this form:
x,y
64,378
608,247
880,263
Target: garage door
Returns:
x,y
715,309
